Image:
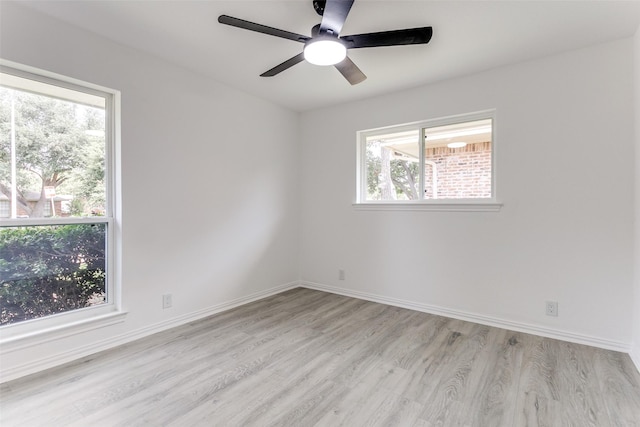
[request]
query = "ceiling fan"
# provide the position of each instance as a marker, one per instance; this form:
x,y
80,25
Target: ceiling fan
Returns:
x,y
326,46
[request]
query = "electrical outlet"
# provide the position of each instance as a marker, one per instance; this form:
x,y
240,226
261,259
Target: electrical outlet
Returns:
x,y
167,301
552,308
340,274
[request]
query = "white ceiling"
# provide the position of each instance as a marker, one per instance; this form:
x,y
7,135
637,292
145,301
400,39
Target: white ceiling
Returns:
x,y
468,37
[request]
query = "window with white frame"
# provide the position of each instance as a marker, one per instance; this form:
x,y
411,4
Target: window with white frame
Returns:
x,y
57,175
448,160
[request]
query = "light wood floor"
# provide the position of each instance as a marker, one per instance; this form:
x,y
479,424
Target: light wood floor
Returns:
x,y
309,358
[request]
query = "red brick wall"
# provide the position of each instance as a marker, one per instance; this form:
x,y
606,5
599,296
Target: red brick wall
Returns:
x,y
462,172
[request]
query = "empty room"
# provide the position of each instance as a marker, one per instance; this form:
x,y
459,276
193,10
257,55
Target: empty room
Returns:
x,y
319,213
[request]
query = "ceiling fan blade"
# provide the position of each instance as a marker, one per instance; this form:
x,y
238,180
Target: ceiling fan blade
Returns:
x,y
335,13
252,26
419,35
284,66
350,71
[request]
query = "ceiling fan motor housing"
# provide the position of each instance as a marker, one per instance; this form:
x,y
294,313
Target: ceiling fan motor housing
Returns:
x,y
318,5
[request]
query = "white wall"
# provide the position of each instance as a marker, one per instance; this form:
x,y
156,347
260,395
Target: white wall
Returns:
x,y
635,353
209,193
565,175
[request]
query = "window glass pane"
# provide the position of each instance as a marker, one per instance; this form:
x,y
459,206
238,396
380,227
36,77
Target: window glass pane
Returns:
x,y
52,269
392,166
4,207
457,161
52,150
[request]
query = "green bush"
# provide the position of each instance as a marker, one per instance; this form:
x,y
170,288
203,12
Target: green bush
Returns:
x,y
46,270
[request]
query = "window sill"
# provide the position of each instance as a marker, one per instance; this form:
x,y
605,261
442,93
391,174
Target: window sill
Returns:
x,y
449,206
28,339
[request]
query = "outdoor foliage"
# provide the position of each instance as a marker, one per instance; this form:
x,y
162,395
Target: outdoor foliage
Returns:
x,y
389,178
53,149
46,270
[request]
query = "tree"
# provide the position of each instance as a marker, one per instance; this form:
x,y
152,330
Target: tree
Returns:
x,y
390,178
387,189
404,175
52,147
50,269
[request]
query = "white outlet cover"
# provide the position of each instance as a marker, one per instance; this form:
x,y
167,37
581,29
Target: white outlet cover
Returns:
x,y
166,301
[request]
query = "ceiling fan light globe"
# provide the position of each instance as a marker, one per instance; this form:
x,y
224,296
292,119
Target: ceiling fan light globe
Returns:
x,y
325,51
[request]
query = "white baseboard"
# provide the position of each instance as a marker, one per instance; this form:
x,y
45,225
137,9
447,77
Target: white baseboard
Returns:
x,y
478,318
76,353
635,355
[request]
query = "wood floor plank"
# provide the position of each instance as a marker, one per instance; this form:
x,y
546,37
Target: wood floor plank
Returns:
x,y
395,410
310,405
157,400
302,382
344,410
310,358
493,382
620,383
218,408
450,383
412,348
559,385
431,360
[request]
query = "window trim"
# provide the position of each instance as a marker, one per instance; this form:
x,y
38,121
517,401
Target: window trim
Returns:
x,y
35,331
489,204
459,205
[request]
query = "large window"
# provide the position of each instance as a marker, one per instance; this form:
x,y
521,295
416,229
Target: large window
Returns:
x,y
449,160
57,238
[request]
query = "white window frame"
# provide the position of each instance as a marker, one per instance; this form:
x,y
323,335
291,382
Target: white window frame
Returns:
x,y
489,204
35,331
